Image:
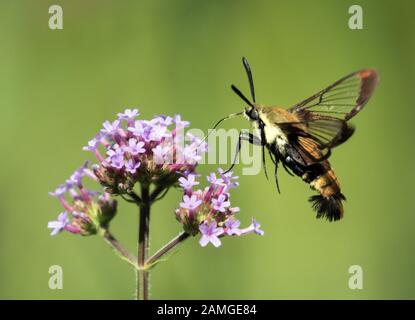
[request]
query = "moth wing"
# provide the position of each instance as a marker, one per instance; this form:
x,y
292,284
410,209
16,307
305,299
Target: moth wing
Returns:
x,y
312,138
323,116
343,99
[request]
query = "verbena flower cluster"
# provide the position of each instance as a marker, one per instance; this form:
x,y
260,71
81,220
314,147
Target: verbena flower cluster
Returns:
x,y
85,211
149,152
209,211
146,151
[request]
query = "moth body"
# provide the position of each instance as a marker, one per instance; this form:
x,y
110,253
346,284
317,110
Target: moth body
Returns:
x,y
302,137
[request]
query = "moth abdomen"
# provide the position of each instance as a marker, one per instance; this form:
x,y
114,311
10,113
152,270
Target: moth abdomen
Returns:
x,y
330,208
328,204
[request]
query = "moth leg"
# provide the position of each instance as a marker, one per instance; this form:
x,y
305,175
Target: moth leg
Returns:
x,y
276,178
273,153
263,142
263,162
250,138
273,157
287,169
259,142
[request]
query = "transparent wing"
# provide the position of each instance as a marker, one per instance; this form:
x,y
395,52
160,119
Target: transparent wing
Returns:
x,y
343,99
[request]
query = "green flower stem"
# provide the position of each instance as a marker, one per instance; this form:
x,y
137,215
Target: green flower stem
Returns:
x,y
142,263
173,243
157,193
118,248
142,276
135,198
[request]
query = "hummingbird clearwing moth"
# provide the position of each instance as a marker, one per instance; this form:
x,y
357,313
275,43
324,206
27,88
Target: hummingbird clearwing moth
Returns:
x,y
301,137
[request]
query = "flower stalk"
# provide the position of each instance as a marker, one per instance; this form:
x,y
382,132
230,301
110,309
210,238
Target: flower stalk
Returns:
x,y
118,247
173,243
142,275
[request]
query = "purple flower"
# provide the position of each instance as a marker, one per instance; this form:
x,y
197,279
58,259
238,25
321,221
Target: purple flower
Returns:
x,y
204,210
210,233
110,128
179,123
190,203
190,155
135,147
213,180
59,191
189,182
116,157
128,139
84,210
193,139
138,128
227,178
157,132
164,120
234,209
59,224
92,144
129,114
256,227
197,144
232,227
159,154
132,166
76,177
220,204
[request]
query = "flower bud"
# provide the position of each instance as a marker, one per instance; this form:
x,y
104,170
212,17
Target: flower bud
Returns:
x,y
86,211
108,210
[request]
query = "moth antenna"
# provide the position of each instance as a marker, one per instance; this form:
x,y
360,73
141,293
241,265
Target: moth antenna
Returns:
x,y
241,95
250,79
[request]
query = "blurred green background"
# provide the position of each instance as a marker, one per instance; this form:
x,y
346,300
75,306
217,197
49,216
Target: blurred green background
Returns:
x,y
57,87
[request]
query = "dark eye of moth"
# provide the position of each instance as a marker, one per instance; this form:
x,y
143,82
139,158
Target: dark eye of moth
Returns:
x,y
253,114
